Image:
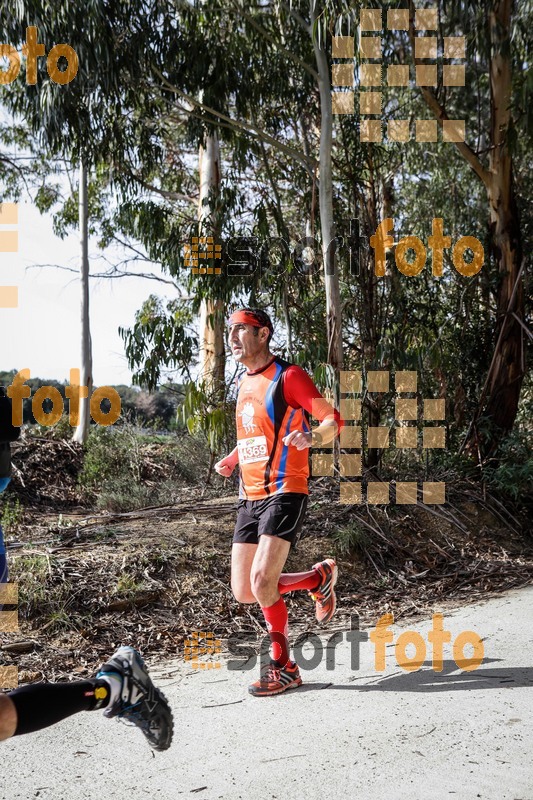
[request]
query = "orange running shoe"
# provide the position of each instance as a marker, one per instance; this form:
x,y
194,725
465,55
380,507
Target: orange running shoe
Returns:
x,y
276,680
324,594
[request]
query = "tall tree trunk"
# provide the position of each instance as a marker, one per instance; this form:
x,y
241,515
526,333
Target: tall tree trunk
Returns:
x,y
86,376
325,196
371,321
212,353
507,368
505,379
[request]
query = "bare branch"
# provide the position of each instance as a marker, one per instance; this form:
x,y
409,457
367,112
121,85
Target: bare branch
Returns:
x,y
238,124
114,273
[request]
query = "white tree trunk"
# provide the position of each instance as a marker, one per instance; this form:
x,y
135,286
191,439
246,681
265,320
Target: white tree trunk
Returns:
x,y
212,354
86,372
325,196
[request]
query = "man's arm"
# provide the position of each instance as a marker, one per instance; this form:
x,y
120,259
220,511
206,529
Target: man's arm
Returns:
x,y
300,392
226,465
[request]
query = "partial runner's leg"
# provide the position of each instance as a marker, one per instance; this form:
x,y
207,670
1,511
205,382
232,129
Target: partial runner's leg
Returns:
x,y
293,581
269,560
320,583
4,574
242,558
40,705
123,687
8,717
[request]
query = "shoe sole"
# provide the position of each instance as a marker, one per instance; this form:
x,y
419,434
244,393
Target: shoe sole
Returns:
x,y
293,685
170,720
334,577
160,696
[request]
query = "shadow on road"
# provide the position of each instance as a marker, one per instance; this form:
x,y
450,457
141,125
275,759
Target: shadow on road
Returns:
x,y
425,679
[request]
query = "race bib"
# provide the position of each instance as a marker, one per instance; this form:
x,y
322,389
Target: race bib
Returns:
x,y
252,449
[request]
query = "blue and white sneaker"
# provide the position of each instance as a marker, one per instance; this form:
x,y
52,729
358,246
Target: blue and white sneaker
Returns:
x,y
135,699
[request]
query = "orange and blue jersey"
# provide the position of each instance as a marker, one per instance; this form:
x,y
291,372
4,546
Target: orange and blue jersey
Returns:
x,y
271,403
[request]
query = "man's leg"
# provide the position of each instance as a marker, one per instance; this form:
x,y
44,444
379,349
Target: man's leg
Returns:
x,y
269,560
39,705
122,686
268,563
242,558
8,717
4,574
320,583
255,571
282,673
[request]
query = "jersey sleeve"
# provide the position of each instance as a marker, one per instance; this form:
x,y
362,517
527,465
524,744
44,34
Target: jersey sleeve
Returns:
x,y
301,392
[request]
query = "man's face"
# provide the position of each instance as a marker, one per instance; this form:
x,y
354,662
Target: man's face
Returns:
x,y
246,344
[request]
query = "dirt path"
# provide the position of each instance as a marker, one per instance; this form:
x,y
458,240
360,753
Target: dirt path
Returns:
x,y
345,733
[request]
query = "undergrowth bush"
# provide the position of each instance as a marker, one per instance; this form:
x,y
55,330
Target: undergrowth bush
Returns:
x,y
126,469
510,473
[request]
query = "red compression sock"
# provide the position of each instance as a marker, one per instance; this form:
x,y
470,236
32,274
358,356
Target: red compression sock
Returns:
x,y
290,581
277,622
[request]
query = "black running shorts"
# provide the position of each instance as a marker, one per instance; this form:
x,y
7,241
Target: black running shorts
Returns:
x,y
281,515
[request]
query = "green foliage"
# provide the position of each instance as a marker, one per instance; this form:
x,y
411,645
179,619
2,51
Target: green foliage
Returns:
x,y
160,337
120,494
126,469
351,539
510,473
214,422
106,455
127,586
11,514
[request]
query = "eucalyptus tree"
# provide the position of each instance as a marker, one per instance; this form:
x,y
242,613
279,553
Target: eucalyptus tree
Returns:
x,y
90,120
498,34
238,92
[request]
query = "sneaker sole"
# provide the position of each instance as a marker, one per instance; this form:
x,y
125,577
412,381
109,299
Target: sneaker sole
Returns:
x,y
334,577
163,700
160,696
170,720
293,685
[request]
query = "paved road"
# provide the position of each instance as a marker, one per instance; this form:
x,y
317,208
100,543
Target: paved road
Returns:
x,y
361,734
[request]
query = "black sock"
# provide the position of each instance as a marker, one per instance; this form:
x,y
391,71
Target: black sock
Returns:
x,y
40,705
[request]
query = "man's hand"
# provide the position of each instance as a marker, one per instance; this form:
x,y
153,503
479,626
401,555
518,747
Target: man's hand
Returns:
x,y
298,439
225,466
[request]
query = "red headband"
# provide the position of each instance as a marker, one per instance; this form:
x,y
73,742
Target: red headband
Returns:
x,y
249,318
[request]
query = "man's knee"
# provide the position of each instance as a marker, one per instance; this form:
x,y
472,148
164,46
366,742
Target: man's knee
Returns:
x,y
242,593
262,583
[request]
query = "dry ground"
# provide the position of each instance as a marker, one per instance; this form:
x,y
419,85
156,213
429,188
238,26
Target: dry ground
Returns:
x,y
151,577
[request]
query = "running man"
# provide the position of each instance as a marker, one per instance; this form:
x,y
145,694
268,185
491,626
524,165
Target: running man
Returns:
x,y
122,687
274,401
